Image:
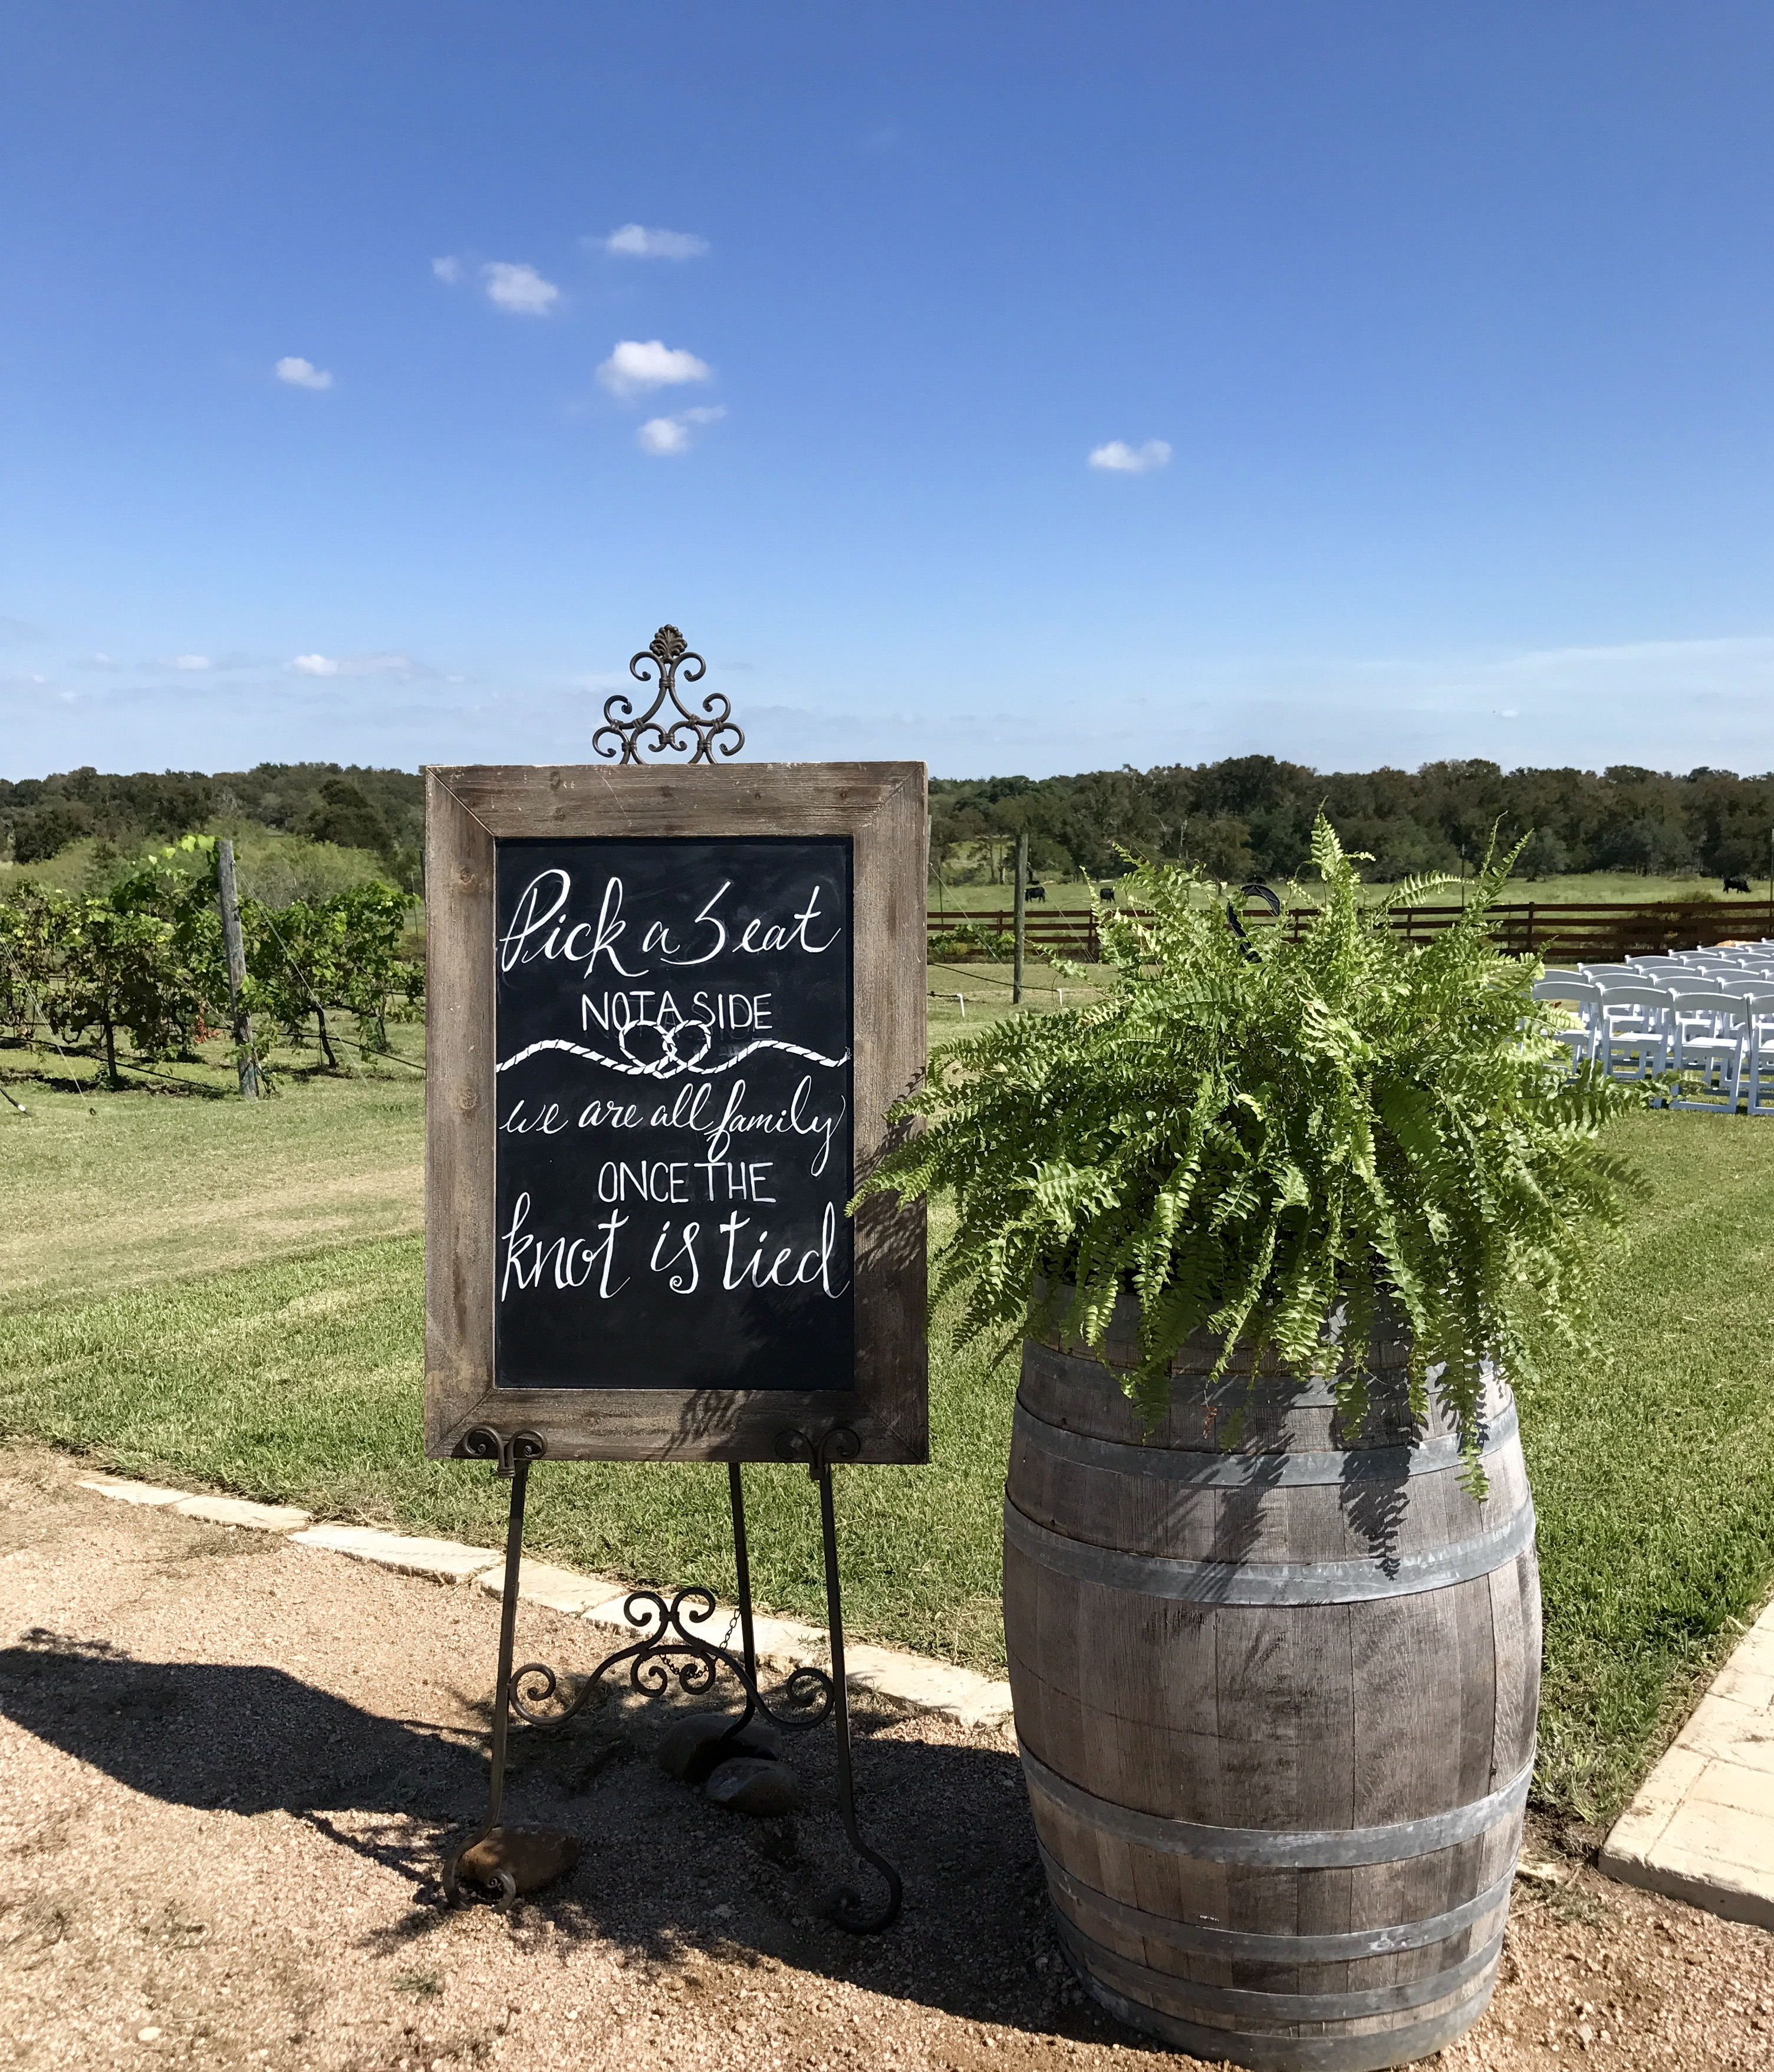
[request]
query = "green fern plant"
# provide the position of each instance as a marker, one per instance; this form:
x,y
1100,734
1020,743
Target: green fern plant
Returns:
x,y
1252,1144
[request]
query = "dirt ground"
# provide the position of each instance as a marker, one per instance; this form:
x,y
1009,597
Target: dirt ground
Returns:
x,y
226,1764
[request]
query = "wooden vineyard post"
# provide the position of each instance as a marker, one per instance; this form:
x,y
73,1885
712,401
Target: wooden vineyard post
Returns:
x,y
1022,901
234,950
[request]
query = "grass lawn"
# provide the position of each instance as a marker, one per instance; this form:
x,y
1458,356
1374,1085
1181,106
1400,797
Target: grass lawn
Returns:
x,y
197,1288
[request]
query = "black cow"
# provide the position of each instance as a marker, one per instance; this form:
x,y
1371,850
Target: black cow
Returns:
x,y
1036,892
1107,893
1737,885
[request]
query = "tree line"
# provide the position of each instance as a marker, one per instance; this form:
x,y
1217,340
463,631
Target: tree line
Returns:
x,y
1251,816
145,958
1248,815
382,811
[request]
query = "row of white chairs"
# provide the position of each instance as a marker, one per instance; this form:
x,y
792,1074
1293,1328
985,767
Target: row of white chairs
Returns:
x,y
1702,1022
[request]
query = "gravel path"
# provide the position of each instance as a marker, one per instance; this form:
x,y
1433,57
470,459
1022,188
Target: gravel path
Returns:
x,y
226,1764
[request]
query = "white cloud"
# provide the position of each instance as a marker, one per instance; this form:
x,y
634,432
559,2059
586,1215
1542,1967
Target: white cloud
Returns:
x,y
302,373
448,270
672,435
385,662
190,661
664,435
637,364
519,288
634,241
1118,458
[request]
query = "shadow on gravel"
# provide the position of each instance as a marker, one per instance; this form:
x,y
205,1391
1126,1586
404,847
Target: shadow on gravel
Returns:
x,y
662,1869
244,1739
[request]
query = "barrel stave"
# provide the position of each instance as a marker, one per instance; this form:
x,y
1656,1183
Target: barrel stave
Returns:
x,y
1424,1679
1515,1621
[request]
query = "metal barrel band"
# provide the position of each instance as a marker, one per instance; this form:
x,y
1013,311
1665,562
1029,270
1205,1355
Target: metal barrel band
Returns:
x,y
1273,1385
1364,2050
1206,1470
1292,1849
1349,1946
1270,1582
1349,2005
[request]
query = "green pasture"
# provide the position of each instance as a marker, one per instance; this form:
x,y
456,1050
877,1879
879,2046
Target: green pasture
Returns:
x,y
200,1289
1575,889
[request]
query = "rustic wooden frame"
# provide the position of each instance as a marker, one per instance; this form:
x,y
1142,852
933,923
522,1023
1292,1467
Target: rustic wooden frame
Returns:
x,y
882,808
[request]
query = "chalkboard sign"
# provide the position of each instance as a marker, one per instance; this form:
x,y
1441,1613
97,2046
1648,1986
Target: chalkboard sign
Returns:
x,y
674,1030
668,1011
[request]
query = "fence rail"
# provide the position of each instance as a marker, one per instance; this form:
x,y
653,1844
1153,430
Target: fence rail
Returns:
x,y
1602,932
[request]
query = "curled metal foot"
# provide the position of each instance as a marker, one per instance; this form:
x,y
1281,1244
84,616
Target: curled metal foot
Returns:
x,y
849,1909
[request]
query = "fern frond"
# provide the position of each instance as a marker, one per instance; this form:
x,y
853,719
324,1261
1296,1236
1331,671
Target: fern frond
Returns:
x,y
1283,1151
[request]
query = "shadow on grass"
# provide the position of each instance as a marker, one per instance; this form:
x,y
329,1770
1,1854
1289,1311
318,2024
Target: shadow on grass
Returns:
x,y
56,1073
23,1064
663,1871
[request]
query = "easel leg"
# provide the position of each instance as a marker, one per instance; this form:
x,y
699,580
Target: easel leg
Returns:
x,y
514,1461
849,1910
736,1497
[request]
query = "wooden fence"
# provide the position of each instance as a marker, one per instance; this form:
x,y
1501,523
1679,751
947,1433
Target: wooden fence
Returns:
x,y
1601,933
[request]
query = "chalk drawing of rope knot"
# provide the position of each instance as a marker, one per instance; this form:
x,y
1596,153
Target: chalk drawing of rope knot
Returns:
x,y
662,1052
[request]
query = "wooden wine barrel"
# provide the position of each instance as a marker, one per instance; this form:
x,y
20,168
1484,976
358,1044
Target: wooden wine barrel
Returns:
x,y
1275,1689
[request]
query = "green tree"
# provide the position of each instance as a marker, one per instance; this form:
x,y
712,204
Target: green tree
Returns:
x,y
344,816
145,956
375,975
30,955
313,957
291,961
37,836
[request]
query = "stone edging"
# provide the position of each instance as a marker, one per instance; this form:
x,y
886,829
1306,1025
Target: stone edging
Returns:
x,y
1701,1826
913,1683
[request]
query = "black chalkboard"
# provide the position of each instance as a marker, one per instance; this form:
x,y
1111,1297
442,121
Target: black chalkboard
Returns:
x,y
674,1035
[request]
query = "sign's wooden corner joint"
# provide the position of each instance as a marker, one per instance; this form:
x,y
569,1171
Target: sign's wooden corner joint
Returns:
x,y
670,1010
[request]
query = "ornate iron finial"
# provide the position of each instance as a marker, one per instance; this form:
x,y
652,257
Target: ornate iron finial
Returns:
x,y
622,729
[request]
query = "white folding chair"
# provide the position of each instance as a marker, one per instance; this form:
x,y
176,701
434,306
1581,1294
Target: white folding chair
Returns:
x,y
1689,1012
1758,1068
1633,1034
1586,999
1710,1033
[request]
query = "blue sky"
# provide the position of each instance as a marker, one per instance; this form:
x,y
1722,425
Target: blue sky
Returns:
x,y
1435,342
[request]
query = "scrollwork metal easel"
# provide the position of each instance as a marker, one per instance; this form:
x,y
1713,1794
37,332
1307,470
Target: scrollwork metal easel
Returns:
x,y
671,1645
